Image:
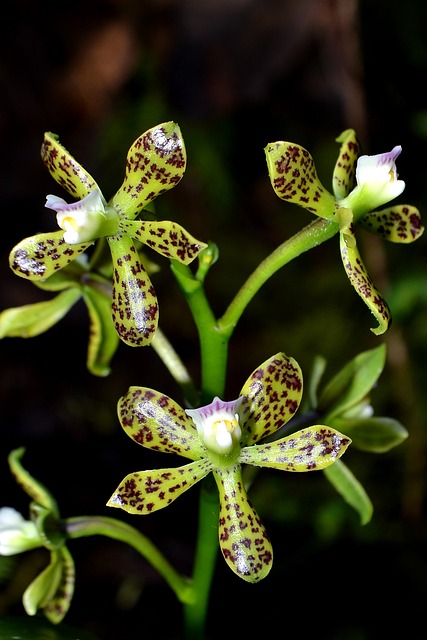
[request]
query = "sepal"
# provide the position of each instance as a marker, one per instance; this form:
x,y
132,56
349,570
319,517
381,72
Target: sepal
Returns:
x,y
156,162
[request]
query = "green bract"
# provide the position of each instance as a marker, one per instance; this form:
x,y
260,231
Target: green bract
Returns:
x,y
268,400
155,163
360,184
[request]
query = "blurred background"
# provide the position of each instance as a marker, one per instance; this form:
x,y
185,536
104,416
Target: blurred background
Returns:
x,y
235,75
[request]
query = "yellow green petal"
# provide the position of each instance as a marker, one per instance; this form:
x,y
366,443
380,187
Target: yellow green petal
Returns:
x,y
144,492
167,238
64,168
134,305
39,256
310,449
294,178
344,177
157,422
53,589
33,319
401,223
35,489
242,537
361,281
271,396
155,163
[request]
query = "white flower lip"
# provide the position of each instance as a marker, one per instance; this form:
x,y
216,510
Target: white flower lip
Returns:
x,y
16,533
218,424
80,220
379,168
377,182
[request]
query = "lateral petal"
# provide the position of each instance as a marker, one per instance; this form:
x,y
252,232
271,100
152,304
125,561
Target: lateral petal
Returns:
x,y
167,238
144,492
271,396
157,422
310,449
401,223
39,256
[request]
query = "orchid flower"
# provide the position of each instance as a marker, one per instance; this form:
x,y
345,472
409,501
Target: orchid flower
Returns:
x,y
52,590
156,162
360,185
220,438
16,534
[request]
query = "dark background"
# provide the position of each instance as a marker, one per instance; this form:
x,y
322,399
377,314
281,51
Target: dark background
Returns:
x,y
235,75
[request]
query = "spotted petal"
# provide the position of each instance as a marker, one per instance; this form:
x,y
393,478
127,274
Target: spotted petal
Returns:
x,y
271,396
39,256
64,168
242,537
310,449
293,177
401,223
344,178
146,491
134,305
157,422
362,282
167,238
155,163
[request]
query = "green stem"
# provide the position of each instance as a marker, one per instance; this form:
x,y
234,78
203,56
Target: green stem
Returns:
x,y
309,237
195,613
84,526
214,336
213,344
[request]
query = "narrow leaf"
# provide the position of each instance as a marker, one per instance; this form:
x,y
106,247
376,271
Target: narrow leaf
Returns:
x,y
340,476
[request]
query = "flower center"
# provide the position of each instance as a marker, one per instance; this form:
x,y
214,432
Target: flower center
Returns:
x,y
218,425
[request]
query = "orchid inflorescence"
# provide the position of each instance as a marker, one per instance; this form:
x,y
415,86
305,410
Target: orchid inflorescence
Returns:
x,y
221,437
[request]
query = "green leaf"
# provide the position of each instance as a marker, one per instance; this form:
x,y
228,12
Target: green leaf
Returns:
x,y
33,319
340,476
350,385
376,435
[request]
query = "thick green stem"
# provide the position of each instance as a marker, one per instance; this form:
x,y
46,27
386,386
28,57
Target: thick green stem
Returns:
x,y
195,613
213,344
84,526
